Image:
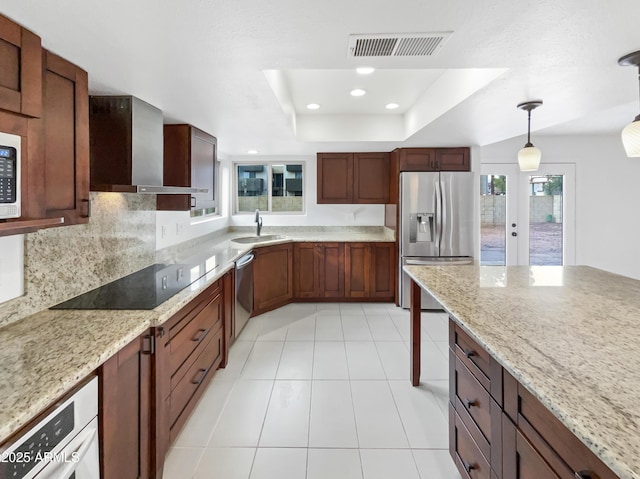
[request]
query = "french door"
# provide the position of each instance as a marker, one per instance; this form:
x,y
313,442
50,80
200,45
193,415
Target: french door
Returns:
x,y
527,218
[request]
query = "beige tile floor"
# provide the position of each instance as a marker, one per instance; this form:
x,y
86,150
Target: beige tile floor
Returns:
x,y
321,391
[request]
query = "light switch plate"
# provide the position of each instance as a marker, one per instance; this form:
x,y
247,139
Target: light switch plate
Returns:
x,y
11,267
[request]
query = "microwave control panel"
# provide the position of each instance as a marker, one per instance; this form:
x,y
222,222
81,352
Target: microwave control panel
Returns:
x,y
9,176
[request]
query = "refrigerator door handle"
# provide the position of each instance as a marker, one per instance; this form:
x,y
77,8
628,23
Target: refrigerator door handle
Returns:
x,y
439,215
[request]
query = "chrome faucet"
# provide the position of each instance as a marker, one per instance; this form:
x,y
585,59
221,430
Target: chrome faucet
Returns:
x,y
258,220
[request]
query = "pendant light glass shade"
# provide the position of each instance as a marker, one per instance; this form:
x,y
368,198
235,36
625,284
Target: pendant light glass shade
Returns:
x,y
631,138
529,158
631,132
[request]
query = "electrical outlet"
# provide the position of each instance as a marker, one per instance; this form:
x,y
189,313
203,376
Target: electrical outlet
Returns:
x,y
163,231
179,228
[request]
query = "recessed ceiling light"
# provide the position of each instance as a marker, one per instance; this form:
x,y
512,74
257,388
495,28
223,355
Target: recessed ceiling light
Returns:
x,y
313,106
253,152
365,70
358,92
391,106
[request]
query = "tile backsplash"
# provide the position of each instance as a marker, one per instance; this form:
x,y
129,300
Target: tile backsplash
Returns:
x,y
61,263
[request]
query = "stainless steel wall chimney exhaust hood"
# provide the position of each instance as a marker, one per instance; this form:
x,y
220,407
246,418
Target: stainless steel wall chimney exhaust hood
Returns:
x,y
127,146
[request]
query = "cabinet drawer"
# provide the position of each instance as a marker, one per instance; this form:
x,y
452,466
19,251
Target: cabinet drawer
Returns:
x,y
474,400
185,341
472,355
201,369
465,452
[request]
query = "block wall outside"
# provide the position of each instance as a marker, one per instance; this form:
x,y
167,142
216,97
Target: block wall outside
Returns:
x,y
493,209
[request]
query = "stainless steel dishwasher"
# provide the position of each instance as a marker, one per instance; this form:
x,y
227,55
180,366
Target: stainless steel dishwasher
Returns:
x,y
244,291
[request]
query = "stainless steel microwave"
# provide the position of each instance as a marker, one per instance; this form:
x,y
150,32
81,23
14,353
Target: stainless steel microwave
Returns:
x,y
9,176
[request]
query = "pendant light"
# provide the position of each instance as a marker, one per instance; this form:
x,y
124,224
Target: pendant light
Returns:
x,y
529,156
631,132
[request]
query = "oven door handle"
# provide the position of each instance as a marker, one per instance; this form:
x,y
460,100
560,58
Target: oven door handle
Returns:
x,y
74,452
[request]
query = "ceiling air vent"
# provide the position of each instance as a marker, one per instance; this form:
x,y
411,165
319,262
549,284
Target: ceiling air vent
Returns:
x,y
397,44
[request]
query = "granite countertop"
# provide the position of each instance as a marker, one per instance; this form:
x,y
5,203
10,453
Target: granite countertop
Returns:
x,y
569,334
46,354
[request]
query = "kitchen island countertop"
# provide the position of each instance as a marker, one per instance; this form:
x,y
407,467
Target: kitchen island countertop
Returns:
x,y
569,334
45,355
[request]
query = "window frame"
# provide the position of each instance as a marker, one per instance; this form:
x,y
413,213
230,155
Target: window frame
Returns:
x,y
269,164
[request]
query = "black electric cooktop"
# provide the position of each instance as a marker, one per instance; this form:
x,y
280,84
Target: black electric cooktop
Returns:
x,y
140,290
145,289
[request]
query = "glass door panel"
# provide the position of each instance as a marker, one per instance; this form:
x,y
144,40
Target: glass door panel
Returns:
x,y
546,227
498,210
493,220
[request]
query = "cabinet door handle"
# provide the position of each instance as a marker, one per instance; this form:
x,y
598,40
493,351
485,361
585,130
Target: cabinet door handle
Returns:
x,y
469,352
161,332
88,201
586,475
469,403
193,202
199,335
148,344
468,466
202,373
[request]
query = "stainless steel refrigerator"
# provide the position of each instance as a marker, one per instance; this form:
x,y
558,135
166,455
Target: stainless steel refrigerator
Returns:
x,y
436,224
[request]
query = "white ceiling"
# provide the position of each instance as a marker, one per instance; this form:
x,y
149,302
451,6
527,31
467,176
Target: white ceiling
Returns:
x,y
211,63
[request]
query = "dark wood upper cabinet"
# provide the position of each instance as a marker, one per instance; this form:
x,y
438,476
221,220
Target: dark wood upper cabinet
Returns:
x,y
189,160
371,178
335,178
394,176
453,159
55,153
417,159
21,72
65,140
434,159
353,178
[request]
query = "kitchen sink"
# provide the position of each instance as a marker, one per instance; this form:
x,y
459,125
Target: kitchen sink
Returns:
x,y
258,239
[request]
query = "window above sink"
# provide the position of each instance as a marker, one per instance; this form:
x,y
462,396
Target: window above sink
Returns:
x,y
271,187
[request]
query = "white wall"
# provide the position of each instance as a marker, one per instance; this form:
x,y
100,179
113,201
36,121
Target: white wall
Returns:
x,y
315,214
173,227
607,195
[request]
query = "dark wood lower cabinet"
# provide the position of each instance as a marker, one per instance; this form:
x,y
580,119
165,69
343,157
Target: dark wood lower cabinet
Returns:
x,y
383,271
498,429
272,277
306,283
344,271
522,461
357,270
124,412
331,270
189,348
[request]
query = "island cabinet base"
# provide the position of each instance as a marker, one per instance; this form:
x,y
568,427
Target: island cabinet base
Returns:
x,y
499,430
